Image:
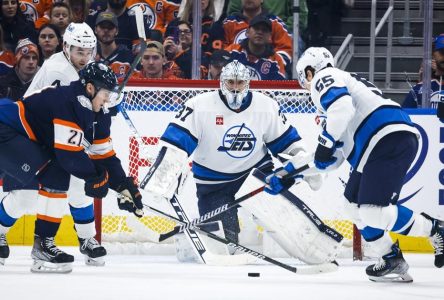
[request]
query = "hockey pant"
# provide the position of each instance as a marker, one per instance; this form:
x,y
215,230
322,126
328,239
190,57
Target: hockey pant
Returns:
x,y
372,198
212,196
49,203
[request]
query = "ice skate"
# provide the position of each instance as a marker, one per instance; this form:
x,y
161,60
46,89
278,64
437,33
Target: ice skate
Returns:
x,y
437,240
4,249
93,252
390,268
48,258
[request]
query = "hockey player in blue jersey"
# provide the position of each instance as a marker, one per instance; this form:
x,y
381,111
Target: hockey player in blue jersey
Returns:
x,y
380,142
52,134
229,132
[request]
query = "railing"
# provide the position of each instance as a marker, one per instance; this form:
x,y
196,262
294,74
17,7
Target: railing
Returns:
x,y
374,31
345,52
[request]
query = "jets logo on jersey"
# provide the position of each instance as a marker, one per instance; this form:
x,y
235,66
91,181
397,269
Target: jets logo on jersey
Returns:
x,y
238,142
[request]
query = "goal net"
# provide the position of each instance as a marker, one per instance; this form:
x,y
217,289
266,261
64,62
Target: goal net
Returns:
x,y
151,104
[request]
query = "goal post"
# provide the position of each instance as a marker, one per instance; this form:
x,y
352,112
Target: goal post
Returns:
x,y
151,104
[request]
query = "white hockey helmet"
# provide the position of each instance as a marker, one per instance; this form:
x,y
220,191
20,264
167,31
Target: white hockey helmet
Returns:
x,y
314,58
78,35
234,83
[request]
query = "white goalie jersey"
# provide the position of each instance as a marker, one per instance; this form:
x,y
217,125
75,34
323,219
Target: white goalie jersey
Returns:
x,y
227,144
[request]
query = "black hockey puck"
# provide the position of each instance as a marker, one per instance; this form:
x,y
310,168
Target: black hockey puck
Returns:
x,y
254,274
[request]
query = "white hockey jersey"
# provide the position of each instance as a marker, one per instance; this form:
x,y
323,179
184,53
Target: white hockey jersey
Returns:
x,y
226,144
357,114
56,69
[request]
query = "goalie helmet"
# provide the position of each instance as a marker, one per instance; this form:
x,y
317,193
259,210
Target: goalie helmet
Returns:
x,y
234,83
314,58
103,78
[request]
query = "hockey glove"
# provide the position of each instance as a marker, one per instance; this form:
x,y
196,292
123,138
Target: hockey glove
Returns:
x,y
130,198
97,187
324,152
276,183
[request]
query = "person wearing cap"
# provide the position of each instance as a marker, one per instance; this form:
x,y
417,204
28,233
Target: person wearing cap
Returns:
x,y
257,53
414,98
153,63
117,57
236,26
15,84
218,60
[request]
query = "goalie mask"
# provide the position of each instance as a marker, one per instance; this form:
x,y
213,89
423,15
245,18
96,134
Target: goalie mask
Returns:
x,y
234,83
104,81
314,59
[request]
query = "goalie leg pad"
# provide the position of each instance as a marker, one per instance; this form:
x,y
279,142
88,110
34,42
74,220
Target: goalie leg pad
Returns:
x,y
296,228
162,178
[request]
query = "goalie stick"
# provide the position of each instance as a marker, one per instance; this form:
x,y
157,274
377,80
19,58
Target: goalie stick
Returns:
x,y
212,214
307,270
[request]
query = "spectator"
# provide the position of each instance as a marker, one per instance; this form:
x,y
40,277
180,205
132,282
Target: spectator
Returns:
x,y
117,57
14,24
157,13
127,34
257,53
79,10
153,63
50,42
60,16
184,57
281,8
414,98
15,84
236,25
212,34
36,12
7,59
218,60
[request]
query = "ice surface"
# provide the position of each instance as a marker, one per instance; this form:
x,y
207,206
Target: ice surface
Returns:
x,y
162,277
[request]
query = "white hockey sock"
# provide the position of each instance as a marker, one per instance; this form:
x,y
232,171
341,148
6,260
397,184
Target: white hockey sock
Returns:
x,y
421,226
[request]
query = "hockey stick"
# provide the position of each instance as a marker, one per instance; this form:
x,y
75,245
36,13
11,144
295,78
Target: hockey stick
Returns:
x,y
311,269
212,214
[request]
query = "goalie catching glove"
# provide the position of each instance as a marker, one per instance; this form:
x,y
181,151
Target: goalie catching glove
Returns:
x,y
130,198
97,187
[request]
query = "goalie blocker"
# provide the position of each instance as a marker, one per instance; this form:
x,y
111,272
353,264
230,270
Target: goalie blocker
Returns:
x,y
291,223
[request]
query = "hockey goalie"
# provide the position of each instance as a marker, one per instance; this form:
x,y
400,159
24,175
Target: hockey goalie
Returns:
x,y
229,133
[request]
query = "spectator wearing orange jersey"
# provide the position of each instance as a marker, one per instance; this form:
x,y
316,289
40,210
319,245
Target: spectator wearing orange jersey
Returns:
x,y
7,59
35,10
257,53
236,25
117,57
153,63
157,13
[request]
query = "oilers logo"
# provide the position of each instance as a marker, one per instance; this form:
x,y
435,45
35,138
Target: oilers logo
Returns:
x,y
240,36
148,13
238,142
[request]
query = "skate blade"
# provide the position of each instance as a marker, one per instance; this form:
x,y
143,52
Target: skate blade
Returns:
x,y
403,278
40,266
2,261
96,262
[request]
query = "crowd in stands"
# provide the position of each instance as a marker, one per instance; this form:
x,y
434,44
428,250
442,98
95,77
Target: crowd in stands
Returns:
x,y
257,33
